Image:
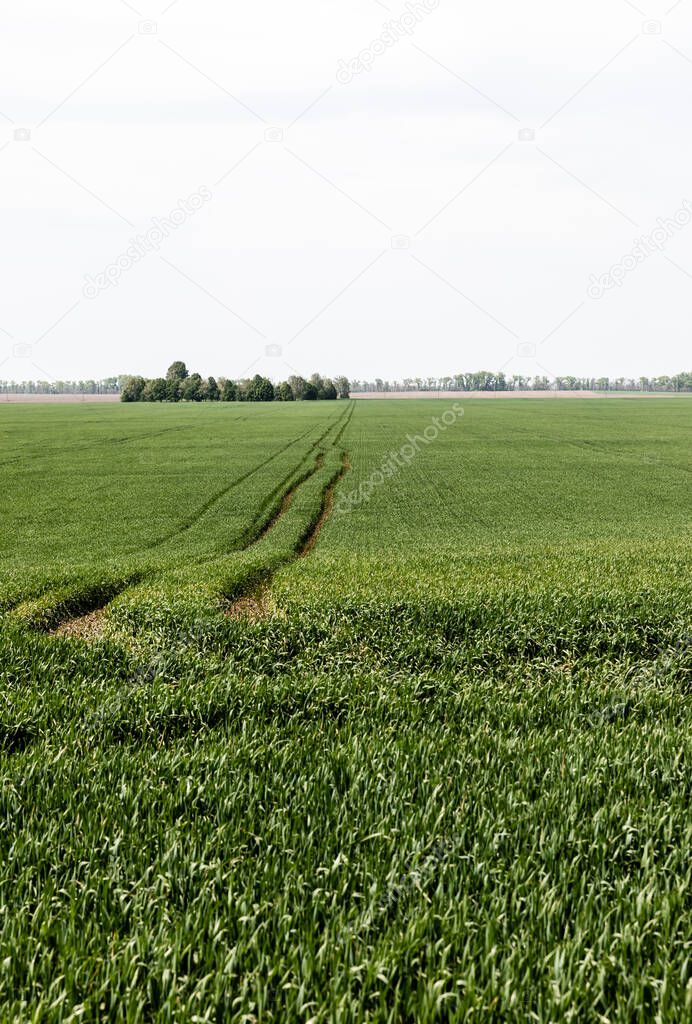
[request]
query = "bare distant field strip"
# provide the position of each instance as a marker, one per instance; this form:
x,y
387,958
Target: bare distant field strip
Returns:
x,y
57,399
518,394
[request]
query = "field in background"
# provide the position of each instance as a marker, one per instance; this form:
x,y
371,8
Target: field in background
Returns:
x,y
346,711
463,395
36,399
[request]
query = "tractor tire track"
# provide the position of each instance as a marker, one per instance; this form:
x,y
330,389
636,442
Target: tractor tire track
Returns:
x,y
325,509
251,601
286,502
194,518
203,509
83,616
260,526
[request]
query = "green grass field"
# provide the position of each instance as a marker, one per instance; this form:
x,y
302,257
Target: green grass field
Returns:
x,y
295,729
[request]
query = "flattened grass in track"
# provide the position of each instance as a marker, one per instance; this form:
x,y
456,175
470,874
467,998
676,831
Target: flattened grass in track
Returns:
x,y
445,778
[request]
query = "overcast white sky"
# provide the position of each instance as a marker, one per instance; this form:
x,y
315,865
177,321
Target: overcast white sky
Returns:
x,y
404,222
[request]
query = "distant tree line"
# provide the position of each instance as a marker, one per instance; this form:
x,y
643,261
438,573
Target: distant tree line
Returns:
x,y
180,386
487,381
108,386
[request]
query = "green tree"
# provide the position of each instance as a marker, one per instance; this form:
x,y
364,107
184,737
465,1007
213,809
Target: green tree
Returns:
x,y
174,388
328,391
210,390
298,386
310,394
342,386
229,391
155,390
192,390
261,389
283,392
131,389
177,371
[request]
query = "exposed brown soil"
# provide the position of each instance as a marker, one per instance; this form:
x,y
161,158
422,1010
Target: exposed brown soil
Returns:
x,y
250,607
86,627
